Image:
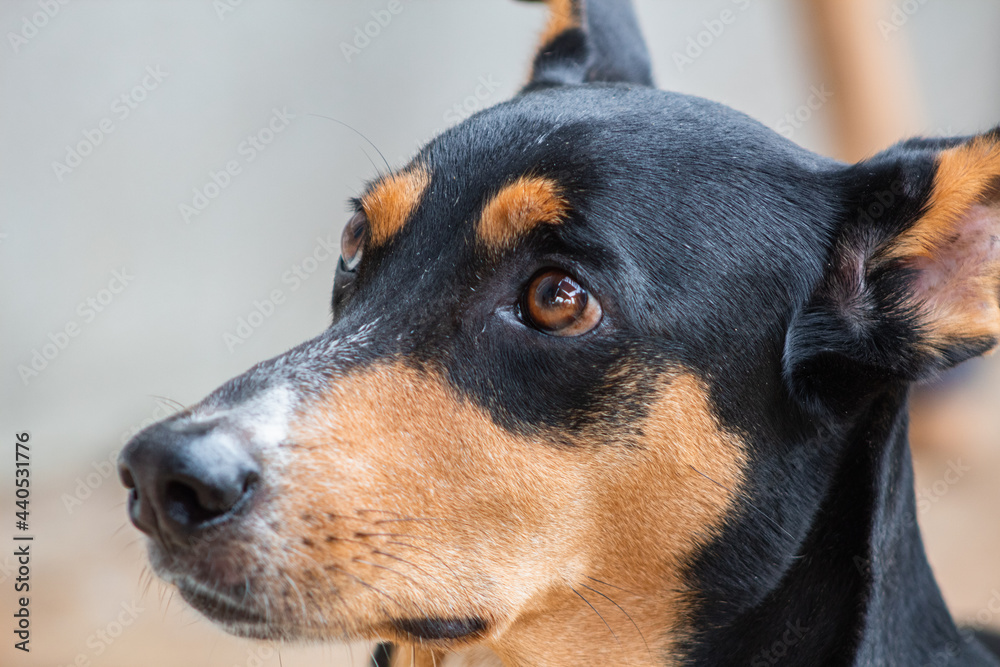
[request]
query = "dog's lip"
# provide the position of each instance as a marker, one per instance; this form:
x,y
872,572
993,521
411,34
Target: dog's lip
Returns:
x,y
226,607
430,629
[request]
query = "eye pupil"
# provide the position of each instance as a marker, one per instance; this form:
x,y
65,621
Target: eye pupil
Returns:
x,y
556,303
563,298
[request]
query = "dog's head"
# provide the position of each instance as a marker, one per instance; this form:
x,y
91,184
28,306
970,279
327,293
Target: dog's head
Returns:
x,y
592,352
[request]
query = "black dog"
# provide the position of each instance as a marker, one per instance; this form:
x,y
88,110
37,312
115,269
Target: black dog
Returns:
x,y
615,376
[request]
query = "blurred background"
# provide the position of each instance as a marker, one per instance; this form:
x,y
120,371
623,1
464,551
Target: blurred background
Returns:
x,y
165,169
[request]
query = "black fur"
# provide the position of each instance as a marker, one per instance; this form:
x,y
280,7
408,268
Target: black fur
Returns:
x,y
718,245
715,245
607,46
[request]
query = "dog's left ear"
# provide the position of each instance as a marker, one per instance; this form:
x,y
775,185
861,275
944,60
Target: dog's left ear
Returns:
x,y
591,40
912,283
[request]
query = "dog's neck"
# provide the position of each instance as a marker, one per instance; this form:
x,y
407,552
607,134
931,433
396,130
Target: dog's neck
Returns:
x,y
858,589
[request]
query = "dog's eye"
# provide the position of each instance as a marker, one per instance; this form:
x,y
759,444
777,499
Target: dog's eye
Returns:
x,y
557,304
352,241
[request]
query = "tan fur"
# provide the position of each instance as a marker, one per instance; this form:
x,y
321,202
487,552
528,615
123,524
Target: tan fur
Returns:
x,y
956,248
563,15
400,499
391,201
517,209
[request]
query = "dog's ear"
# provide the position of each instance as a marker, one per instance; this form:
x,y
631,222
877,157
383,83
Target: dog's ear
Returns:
x,y
590,40
912,283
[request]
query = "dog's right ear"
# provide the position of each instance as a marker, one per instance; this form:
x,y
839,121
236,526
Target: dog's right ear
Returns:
x,y
590,40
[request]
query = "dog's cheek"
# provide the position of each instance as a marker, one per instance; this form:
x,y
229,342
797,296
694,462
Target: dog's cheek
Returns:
x,y
410,502
656,501
674,490
405,501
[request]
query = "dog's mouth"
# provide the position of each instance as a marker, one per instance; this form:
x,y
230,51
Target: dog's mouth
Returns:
x,y
231,609
430,629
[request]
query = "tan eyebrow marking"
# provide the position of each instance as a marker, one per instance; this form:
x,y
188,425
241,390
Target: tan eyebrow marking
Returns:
x,y
391,201
518,208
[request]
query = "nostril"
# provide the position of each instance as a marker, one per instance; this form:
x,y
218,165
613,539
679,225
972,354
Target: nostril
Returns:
x,y
191,501
126,476
182,505
250,481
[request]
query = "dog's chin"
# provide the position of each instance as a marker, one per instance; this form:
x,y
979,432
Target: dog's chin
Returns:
x,y
217,587
229,610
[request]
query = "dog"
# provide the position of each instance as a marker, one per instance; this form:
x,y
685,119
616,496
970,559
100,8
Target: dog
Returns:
x,y
615,376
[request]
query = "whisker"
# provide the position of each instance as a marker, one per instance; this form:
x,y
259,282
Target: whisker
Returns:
x,y
413,565
397,572
170,598
626,616
427,520
404,517
602,619
369,586
432,555
747,499
347,517
415,537
177,405
613,586
302,600
357,132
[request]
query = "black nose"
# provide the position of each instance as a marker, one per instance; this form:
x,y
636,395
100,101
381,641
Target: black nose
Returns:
x,y
185,478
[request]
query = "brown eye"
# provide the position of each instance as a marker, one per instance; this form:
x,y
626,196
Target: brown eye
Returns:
x,y
352,241
557,304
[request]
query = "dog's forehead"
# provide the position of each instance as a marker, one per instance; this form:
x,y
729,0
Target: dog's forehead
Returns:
x,y
602,148
489,181
625,174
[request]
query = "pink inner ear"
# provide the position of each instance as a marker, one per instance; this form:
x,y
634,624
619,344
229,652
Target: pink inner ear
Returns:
x,y
958,280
